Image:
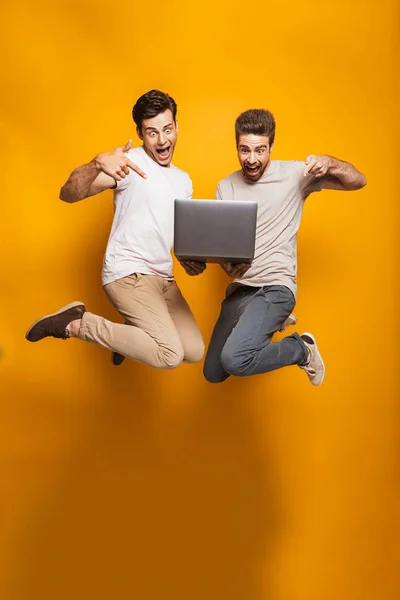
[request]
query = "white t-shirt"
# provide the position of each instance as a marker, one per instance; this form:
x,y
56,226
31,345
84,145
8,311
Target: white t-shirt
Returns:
x,y
142,232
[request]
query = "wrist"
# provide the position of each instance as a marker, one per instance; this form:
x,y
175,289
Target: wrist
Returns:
x,y
96,162
334,166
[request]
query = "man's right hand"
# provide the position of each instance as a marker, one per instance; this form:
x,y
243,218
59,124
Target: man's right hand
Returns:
x,y
236,270
116,164
193,267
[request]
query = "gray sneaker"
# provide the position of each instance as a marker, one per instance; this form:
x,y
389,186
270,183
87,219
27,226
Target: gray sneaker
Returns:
x,y
291,320
315,367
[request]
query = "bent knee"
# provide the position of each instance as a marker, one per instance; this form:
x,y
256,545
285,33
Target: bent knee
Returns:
x,y
214,375
194,354
213,371
233,363
172,358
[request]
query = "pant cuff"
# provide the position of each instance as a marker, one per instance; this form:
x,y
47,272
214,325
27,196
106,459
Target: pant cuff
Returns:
x,y
84,326
303,361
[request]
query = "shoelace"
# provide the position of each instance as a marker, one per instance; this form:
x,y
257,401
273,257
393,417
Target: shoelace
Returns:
x,y
60,333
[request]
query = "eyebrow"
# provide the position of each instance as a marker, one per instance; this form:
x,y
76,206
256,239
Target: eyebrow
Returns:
x,y
154,129
256,148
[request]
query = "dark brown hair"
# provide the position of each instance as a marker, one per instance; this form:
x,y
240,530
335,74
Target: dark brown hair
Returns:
x,y
256,121
152,104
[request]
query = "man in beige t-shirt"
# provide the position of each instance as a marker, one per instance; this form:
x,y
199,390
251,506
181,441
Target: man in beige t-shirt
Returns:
x,y
262,296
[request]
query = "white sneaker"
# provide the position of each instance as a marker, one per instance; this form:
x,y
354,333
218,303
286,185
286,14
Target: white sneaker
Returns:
x,y
291,320
315,367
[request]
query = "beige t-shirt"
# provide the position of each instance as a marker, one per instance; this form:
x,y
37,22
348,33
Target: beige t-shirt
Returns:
x,y
280,194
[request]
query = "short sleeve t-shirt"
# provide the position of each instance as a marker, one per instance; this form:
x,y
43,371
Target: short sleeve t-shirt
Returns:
x,y
142,231
280,195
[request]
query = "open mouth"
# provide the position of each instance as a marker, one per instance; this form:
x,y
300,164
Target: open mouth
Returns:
x,y
253,171
163,153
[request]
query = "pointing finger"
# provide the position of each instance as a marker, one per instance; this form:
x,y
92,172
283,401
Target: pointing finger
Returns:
x,y
135,168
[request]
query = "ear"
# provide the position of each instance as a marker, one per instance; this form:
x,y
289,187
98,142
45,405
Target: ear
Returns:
x,y
139,133
271,148
176,125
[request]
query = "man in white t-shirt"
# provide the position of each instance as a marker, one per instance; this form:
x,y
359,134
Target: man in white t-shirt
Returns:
x,y
159,330
261,299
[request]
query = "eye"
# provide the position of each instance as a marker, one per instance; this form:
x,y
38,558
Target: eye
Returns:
x,y
168,131
152,133
261,151
244,151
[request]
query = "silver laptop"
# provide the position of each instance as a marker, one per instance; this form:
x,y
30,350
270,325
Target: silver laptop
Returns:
x,y
215,231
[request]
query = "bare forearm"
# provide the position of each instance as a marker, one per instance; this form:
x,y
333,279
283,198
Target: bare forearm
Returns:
x,y
77,186
347,174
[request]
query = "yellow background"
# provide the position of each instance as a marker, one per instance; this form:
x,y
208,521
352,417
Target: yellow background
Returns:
x,y
132,483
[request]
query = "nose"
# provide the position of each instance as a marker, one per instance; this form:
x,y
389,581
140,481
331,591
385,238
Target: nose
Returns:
x,y
162,138
252,158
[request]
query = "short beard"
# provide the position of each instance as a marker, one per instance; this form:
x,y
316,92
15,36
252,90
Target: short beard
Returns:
x,y
249,179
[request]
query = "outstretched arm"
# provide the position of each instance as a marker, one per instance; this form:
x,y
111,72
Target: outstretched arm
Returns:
x,y
102,173
337,174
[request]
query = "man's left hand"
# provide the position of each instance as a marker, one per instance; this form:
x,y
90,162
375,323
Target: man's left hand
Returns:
x,y
236,270
317,165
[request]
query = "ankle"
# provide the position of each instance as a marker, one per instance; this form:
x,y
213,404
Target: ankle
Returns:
x,y
74,327
307,358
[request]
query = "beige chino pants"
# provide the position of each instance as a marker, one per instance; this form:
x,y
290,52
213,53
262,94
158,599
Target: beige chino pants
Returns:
x,y
159,331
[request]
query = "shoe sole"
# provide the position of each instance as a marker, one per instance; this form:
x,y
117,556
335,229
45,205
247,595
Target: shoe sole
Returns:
x,y
319,354
62,309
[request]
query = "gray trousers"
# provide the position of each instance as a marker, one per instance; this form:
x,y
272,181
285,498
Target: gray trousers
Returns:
x,y
241,341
